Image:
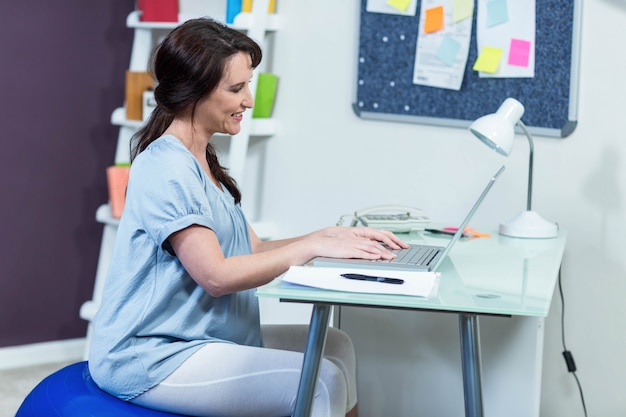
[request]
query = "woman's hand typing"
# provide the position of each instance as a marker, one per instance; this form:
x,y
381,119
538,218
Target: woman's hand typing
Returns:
x,y
358,242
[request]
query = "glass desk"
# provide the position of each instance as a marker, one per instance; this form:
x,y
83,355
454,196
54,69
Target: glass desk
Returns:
x,y
471,285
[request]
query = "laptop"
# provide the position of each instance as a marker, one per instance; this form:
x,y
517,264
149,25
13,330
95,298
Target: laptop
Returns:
x,y
417,257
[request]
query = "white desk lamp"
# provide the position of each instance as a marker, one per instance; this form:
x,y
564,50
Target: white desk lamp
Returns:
x,y
497,130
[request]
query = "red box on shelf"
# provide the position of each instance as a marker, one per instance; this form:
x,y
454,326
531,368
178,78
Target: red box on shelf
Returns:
x,y
158,10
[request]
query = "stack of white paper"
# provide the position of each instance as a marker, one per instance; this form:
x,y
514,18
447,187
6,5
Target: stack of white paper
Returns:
x,y
420,284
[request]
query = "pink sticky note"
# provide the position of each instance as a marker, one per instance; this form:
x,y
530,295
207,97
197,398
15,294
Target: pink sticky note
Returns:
x,y
519,53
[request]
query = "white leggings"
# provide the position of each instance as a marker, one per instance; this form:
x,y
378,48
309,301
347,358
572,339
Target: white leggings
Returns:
x,y
223,379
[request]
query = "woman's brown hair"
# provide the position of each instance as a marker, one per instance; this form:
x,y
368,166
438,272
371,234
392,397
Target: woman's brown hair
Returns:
x,y
187,66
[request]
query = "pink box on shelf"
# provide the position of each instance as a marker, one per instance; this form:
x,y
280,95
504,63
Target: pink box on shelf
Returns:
x,y
158,10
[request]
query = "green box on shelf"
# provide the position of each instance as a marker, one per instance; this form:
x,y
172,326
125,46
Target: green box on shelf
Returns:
x,y
265,95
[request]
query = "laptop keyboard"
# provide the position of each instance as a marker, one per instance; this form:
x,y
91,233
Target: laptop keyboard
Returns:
x,y
415,255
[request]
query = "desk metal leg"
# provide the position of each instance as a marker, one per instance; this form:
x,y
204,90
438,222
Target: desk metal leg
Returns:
x,y
312,358
470,358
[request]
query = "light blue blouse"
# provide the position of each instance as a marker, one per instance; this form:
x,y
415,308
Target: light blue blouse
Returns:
x,y
153,316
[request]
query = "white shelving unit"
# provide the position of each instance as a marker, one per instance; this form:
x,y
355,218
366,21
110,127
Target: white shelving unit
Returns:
x,y
257,24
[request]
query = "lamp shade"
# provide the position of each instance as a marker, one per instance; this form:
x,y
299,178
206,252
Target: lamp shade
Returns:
x,y
497,130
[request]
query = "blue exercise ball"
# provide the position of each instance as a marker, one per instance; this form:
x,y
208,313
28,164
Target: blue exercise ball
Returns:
x,y
70,392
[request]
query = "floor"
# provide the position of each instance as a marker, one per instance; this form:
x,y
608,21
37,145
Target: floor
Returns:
x,y
15,384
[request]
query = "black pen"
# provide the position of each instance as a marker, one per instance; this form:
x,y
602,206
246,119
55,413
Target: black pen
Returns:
x,y
443,232
440,232
384,280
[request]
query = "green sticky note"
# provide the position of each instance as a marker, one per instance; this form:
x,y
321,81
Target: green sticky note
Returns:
x,y
265,95
462,9
488,60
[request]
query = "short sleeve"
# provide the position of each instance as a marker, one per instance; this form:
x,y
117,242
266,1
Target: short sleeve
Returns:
x,y
168,191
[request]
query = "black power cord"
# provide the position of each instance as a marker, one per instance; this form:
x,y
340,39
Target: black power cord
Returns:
x,y
569,358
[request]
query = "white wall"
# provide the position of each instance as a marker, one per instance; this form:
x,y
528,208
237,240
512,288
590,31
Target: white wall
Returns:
x,y
325,162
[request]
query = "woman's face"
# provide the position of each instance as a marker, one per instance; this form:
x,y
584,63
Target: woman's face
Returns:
x,y
222,110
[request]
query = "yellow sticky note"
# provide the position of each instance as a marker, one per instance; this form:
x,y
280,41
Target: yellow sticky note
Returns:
x,y
434,19
401,5
488,60
462,9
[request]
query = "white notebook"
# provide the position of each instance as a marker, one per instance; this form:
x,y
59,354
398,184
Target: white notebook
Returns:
x,y
414,283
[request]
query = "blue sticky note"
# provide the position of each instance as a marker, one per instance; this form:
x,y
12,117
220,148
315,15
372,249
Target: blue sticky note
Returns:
x,y
497,12
448,50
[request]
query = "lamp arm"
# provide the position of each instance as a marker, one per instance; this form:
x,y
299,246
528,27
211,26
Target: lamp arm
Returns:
x,y
530,163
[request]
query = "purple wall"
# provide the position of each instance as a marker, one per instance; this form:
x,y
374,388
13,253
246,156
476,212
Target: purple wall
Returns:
x,y
62,67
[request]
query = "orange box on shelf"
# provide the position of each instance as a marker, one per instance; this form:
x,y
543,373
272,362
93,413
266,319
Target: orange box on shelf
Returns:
x,y
117,181
136,83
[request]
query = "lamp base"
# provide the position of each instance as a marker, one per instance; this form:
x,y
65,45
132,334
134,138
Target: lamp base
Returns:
x,y
529,225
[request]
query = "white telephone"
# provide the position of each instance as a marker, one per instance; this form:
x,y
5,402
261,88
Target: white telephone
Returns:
x,y
398,219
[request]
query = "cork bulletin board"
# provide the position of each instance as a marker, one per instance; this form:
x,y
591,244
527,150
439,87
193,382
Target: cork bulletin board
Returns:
x,y
386,56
